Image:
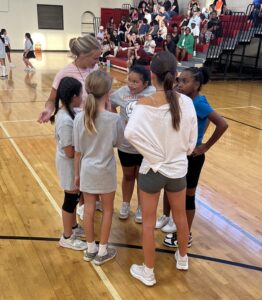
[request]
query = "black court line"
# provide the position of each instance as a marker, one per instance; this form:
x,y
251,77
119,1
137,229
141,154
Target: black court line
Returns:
x,y
119,245
243,123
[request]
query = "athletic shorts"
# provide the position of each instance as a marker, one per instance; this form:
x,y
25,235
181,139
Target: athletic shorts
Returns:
x,y
30,54
195,164
130,160
152,183
7,49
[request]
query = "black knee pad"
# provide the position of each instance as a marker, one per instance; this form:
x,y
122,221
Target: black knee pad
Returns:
x,y
190,202
70,202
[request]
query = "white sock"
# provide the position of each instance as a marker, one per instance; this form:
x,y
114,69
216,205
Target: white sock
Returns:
x,y
92,247
148,271
102,250
3,70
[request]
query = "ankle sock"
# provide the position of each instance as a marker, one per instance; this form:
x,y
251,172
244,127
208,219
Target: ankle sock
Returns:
x,y
148,271
92,247
102,250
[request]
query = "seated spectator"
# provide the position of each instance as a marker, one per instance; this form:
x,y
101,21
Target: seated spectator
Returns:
x,y
174,10
115,42
162,32
100,34
148,16
142,4
134,15
122,29
111,26
141,14
185,45
195,32
153,30
175,34
143,29
167,5
193,6
162,16
220,6
185,21
213,27
149,45
169,44
106,48
140,57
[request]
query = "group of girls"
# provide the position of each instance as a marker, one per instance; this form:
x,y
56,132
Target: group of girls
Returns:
x,y
161,131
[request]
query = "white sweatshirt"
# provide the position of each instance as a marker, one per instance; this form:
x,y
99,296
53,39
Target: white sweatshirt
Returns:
x,y
164,149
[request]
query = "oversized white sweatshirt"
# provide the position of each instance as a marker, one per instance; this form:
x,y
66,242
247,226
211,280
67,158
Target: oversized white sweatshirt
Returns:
x,y
164,149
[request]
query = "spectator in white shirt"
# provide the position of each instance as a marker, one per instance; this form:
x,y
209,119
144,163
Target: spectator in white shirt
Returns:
x,y
195,33
100,34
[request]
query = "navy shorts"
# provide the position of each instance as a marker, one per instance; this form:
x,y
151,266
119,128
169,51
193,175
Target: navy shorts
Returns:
x,y
195,164
130,160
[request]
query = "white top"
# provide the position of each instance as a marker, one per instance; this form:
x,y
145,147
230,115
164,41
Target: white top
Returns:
x,y
164,149
28,45
2,49
64,137
97,164
7,40
149,46
195,31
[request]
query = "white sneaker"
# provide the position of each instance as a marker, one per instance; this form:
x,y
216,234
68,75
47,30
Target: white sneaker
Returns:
x,y
194,53
169,227
80,211
161,221
79,231
138,271
138,215
181,262
124,211
99,206
72,243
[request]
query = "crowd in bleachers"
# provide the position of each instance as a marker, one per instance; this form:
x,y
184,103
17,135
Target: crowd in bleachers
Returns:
x,y
154,26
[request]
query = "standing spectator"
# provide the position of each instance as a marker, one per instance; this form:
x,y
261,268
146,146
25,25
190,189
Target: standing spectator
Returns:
x,y
28,53
220,6
193,6
195,33
164,164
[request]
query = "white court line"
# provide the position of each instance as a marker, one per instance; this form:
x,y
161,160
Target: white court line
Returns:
x,y
256,107
233,107
16,121
98,269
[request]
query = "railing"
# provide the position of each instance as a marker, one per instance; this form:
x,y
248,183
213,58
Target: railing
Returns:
x,y
97,22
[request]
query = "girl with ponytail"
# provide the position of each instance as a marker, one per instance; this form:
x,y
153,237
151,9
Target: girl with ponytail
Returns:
x,y
163,128
69,93
190,83
96,133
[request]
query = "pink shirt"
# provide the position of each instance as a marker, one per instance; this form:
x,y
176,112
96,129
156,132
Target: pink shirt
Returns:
x,y
72,71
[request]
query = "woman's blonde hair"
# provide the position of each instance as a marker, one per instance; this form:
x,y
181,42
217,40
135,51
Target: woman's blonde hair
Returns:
x,y
84,44
97,84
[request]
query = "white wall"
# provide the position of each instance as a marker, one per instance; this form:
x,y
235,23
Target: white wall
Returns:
x,y
22,17
234,5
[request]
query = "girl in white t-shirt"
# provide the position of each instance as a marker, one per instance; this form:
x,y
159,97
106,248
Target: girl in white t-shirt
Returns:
x,y
2,57
69,93
28,53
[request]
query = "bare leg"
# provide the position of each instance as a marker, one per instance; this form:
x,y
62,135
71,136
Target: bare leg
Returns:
x,y
166,206
149,204
177,203
89,211
183,54
128,182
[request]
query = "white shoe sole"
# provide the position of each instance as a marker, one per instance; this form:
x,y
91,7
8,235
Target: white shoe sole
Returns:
x,y
142,279
168,231
182,268
72,248
122,217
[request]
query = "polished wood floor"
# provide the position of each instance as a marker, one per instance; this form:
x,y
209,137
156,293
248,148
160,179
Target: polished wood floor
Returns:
x,y
226,255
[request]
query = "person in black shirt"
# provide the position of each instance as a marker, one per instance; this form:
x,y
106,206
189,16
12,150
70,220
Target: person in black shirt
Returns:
x,y
169,44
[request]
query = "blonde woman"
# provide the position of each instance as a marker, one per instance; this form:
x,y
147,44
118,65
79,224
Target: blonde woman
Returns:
x,y
86,51
96,133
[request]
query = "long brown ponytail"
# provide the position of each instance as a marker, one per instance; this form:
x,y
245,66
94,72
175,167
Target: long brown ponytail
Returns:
x,y
163,65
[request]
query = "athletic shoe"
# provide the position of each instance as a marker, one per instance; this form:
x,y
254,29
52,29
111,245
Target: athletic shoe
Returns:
x,y
27,69
181,262
79,231
89,256
169,227
161,221
138,215
99,260
124,211
4,77
171,240
138,272
80,211
72,243
194,53
99,206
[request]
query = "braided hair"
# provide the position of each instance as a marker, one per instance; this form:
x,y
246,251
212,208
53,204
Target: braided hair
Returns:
x,y
67,88
200,75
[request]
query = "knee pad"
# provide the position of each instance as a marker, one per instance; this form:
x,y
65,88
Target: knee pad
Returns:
x,y
190,202
70,202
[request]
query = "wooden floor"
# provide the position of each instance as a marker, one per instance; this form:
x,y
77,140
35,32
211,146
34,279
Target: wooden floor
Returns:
x,y
226,255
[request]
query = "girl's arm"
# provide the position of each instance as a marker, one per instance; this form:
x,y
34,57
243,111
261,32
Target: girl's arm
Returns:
x,y
221,127
69,151
77,169
49,107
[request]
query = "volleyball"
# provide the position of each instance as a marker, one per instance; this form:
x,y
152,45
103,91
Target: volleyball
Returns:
x,y
129,108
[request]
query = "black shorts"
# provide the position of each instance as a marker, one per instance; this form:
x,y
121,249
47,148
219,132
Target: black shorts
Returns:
x,y
129,160
29,55
195,164
7,49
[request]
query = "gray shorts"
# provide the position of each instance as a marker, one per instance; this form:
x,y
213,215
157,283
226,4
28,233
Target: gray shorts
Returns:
x,y
154,182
